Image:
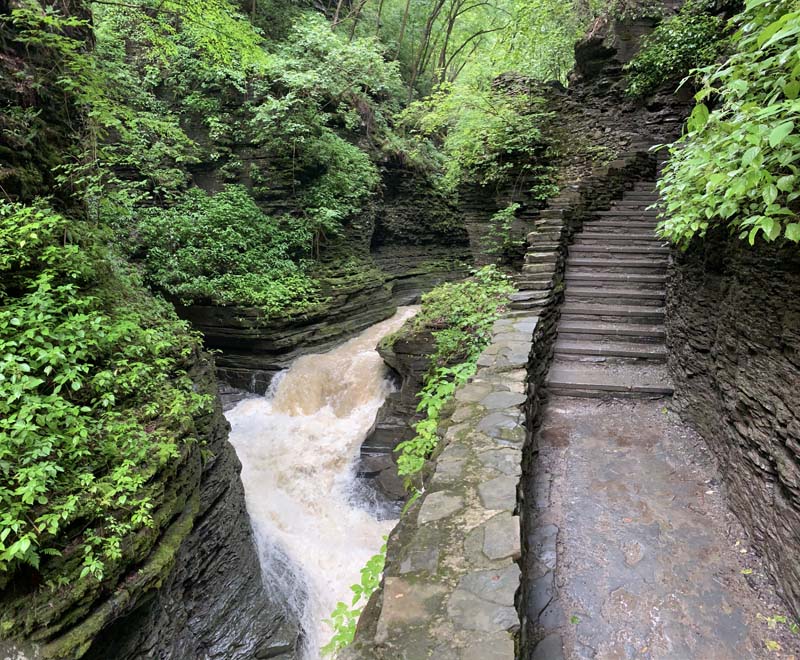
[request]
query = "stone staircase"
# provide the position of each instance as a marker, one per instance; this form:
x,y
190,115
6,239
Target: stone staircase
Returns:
x,y
611,338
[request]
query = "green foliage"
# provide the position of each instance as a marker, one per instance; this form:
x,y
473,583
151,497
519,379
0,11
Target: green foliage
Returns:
x,y
344,617
460,316
737,163
93,396
500,229
691,39
487,134
223,249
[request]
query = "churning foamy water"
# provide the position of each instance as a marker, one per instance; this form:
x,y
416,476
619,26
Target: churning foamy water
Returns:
x,y
298,447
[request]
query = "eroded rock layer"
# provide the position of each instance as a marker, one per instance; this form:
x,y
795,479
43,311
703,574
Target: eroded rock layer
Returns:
x,y
733,318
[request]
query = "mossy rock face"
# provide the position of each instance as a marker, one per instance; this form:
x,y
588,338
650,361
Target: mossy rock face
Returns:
x,y
190,586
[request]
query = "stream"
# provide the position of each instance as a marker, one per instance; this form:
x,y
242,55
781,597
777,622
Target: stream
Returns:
x,y
298,446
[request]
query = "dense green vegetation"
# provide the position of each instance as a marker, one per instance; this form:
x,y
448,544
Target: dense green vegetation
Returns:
x,y
94,397
737,163
223,249
692,38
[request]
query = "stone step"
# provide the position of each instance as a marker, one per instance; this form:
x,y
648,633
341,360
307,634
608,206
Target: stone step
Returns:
x,y
533,283
601,294
544,247
543,268
636,230
632,266
600,246
626,313
626,213
544,237
526,296
622,237
607,380
640,195
532,305
615,332
607,349
575,276
536,257
626,202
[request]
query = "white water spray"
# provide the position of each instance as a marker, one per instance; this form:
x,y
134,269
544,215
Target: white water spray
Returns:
x,y
298,447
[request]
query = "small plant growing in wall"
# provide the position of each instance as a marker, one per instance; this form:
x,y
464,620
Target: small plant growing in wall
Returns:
x,y
344,617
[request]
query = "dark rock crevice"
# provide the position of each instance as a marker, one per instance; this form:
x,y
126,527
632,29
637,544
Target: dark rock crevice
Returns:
x,y
213,602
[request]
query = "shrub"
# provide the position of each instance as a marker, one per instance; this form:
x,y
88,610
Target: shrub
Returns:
x,y
737,163
94,399
692,38
223,249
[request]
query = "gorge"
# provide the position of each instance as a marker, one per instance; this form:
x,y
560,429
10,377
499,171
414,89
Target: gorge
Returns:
x,y
374,330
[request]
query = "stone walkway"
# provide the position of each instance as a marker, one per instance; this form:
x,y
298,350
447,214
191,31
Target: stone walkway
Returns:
x,y
632,552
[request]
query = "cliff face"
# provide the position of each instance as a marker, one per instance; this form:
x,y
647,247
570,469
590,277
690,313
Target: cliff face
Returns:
x,y
212,603
190,585
407,241
733,317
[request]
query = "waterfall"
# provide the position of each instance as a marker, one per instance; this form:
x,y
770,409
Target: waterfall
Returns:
x,y
298,446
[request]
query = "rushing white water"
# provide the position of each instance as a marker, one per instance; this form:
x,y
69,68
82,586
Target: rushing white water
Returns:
x,y
298,447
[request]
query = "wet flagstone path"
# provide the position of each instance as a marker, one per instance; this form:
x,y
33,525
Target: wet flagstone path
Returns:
x,y
633,553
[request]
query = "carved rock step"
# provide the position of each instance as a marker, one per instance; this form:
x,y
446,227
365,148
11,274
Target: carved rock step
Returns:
x,y
654,265
533,283
623,237
639,196
600,294
625,313
602,247
626,380
627,202
634,230
594,349
626,213
624,278
617,332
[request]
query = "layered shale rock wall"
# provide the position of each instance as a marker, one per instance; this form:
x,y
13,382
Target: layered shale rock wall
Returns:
x,y
190,585
733,321
408,241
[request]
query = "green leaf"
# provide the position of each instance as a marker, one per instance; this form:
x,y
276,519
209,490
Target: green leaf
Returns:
x,y
792,232
791,90
780,133
750,155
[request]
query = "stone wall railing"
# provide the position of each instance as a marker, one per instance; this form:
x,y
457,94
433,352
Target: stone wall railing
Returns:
x,y
451,586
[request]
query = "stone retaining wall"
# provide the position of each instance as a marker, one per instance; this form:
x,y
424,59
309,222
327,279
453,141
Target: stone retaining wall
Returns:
x,y
733,331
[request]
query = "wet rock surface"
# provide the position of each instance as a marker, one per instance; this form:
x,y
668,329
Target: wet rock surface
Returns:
x,y
734,351
635,551
212,602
